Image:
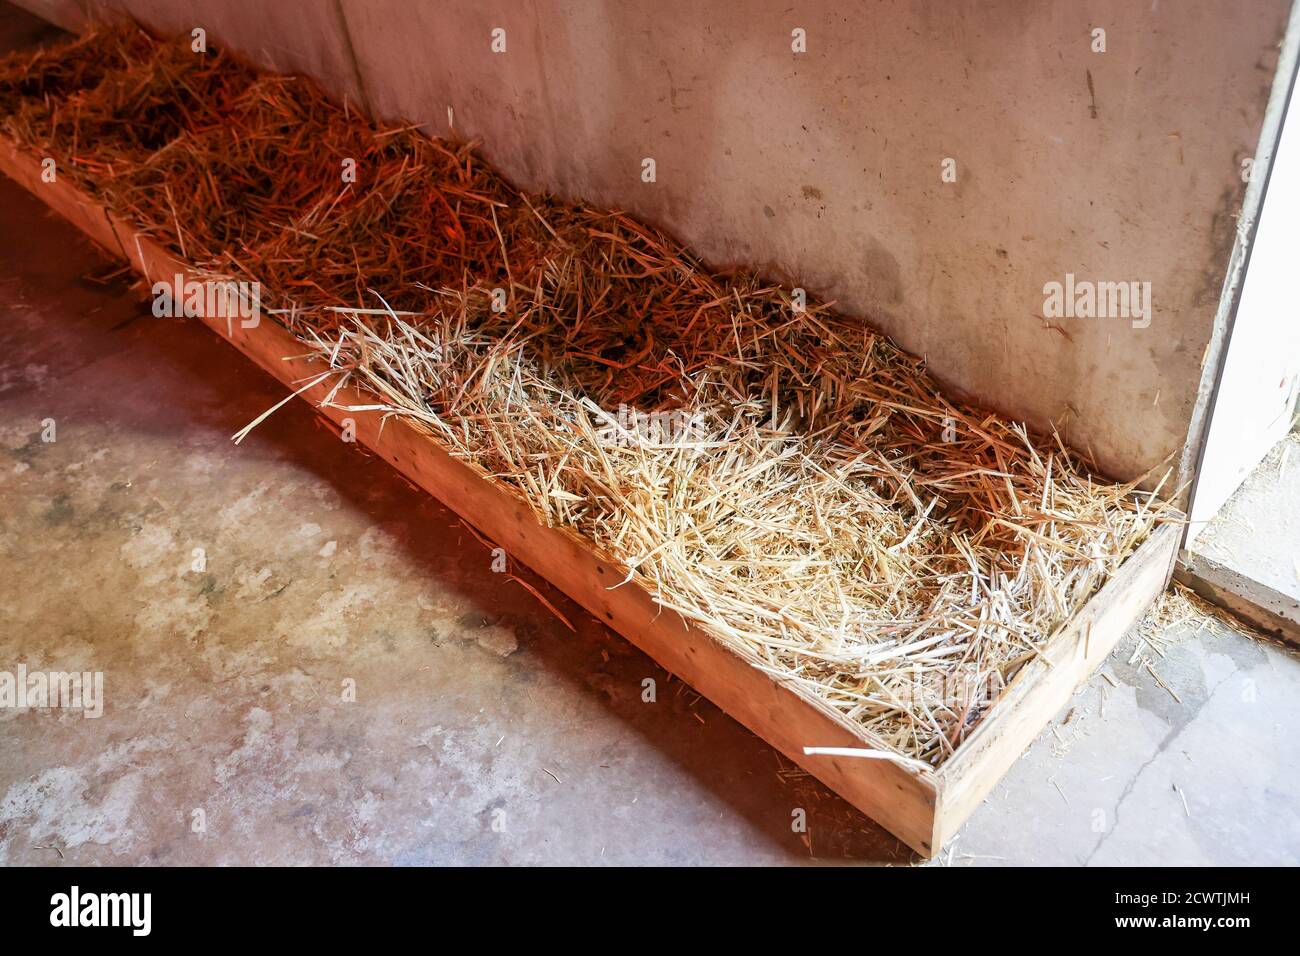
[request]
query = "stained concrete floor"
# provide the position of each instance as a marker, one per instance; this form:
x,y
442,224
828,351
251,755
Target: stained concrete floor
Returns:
x,y
482,730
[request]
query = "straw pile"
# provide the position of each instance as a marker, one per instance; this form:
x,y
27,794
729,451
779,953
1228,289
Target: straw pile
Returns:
x,y
789,478
106,103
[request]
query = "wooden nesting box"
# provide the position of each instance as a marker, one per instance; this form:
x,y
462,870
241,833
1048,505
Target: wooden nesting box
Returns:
x,y
923,807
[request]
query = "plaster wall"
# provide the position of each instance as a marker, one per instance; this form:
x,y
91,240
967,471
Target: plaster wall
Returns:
x,y
824,168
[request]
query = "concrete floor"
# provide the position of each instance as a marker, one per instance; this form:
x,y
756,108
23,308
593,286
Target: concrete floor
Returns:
x,y
1248,557
482,730
1259,527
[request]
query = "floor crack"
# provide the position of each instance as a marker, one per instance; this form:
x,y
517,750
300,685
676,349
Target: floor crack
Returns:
x,y
1169,738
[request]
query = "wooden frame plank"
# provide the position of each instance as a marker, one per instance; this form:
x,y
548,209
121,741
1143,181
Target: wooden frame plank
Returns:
x,y
920,806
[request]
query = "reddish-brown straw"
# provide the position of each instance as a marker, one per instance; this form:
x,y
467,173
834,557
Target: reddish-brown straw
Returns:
x,y
786,477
